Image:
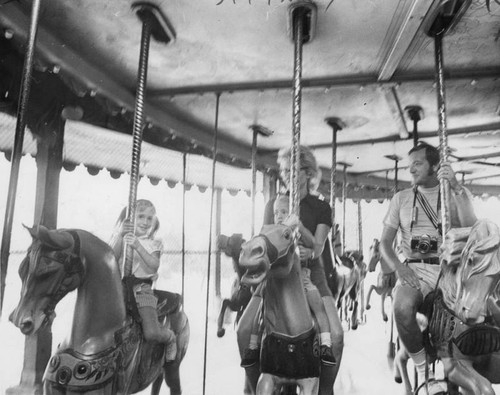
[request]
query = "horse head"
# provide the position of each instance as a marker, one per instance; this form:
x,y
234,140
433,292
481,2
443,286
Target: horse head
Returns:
x,y
479,272
50,270
374,255
268,252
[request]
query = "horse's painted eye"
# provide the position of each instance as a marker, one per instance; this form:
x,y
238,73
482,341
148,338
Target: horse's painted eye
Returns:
x,y
287,234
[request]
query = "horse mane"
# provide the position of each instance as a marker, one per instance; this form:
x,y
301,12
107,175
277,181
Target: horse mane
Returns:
x,y
481,253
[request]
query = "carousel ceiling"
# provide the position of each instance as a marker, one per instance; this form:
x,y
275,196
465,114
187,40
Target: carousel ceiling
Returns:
x,y
366,64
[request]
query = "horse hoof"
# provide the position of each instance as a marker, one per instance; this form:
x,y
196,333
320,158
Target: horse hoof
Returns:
x,y
221,332
368,307
398,380
385,318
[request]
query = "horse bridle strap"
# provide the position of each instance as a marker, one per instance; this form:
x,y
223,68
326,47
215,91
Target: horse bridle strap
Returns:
x,y
73,264
272,251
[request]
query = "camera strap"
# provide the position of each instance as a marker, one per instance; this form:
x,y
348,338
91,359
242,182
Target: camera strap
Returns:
x,y
431,214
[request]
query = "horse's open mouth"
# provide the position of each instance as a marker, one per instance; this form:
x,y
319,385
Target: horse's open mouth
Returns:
x,y
256,274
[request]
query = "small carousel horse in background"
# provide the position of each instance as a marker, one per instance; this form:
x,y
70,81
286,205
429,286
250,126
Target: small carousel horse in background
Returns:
x,y
105,352
464,312
345,279
290,346
240,293
385,281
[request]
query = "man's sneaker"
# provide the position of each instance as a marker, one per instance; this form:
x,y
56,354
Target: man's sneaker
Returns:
x,y
250,357
326,356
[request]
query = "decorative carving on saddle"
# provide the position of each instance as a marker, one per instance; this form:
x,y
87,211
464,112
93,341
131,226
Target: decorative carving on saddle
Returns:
x,y
458,312
291,357
81,372
445,329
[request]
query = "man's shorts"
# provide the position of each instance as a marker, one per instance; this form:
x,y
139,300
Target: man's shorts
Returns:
x,y
428,275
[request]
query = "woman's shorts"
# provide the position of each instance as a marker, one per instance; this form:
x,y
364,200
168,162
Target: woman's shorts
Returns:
x,y
144,295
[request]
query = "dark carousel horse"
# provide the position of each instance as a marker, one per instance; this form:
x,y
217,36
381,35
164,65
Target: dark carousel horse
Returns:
x,y
290,346
464,312
240,293
104,352
385,281
345,275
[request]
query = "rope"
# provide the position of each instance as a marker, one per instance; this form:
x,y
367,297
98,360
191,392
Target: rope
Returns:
x,y
137,135
214,161
18,147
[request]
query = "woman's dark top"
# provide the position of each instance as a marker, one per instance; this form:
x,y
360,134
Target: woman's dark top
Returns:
x,y
313,212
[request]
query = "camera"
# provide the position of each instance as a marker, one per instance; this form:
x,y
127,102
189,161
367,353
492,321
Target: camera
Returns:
x,y
424,244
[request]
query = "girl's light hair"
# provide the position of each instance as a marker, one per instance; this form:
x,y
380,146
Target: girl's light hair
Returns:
x,y
140,204
307,162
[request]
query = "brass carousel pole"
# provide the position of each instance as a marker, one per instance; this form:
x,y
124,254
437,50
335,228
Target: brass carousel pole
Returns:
x,y
17,150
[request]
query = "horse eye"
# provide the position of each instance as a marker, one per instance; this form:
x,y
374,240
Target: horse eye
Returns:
x,y
287,234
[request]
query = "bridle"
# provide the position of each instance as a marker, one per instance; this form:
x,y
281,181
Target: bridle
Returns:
x,y
73,266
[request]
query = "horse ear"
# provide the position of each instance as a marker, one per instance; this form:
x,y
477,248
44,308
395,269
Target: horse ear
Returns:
x,y
58,240
33,231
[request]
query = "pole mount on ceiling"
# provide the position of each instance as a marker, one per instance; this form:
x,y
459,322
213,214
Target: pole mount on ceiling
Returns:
x,y
335,123
161,28
444,16
305,12
416,114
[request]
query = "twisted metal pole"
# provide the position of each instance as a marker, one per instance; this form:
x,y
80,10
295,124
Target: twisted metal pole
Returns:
x,y
344,196
183,241
214,161
137,135
17,151
444,184
298,29
254,177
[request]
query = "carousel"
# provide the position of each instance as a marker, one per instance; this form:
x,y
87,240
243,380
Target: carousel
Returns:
x,y
207,94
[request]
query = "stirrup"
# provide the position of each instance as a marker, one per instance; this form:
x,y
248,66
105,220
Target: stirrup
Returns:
x,y
442,390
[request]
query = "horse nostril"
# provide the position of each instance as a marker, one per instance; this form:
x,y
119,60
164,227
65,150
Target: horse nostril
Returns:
x,y
26,327
257,251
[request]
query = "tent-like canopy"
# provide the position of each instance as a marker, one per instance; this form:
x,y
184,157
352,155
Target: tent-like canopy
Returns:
x,y
366,64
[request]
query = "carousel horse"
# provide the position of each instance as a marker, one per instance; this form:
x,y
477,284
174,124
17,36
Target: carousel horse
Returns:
x,y
104,352
345,279
290,345
385,281
240,293
464,312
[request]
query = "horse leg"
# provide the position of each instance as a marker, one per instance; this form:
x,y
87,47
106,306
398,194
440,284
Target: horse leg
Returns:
x,y
172,378
354,316
266,384
156,385
461,373
368,306
382,307
220,320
